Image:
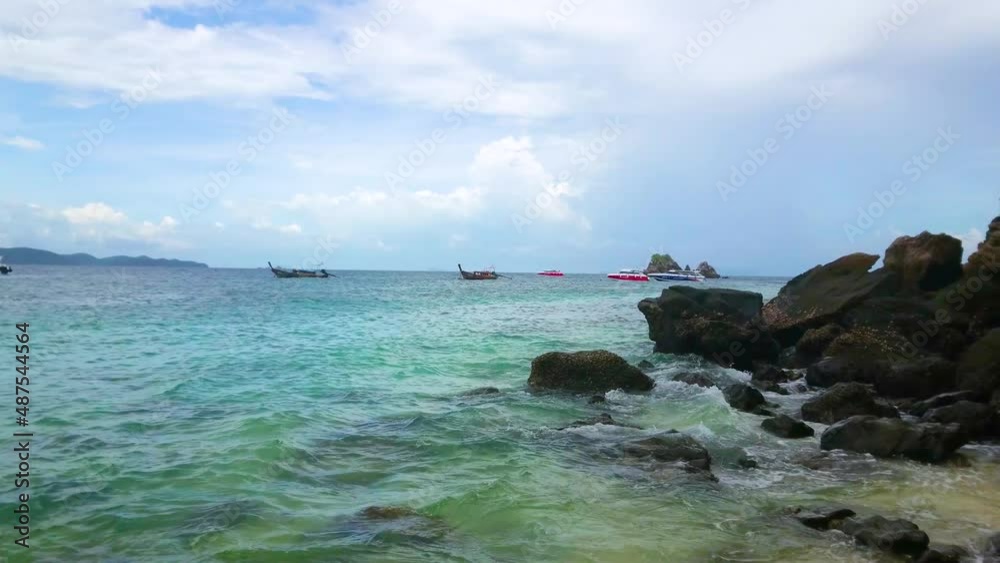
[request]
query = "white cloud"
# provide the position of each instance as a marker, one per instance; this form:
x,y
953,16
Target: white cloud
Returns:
x,y
263,224
92,213
432,54
23,143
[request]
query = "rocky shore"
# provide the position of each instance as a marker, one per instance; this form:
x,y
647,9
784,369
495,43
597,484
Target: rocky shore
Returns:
x,y
906,358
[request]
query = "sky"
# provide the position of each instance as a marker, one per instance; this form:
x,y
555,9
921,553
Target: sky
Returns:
x,y
762,136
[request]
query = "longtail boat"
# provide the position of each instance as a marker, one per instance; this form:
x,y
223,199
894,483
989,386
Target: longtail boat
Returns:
x,y
294,273
478,274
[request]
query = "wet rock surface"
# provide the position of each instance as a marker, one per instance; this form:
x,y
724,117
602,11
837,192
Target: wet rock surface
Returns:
x,y
785,426
891,437
596,371
845,400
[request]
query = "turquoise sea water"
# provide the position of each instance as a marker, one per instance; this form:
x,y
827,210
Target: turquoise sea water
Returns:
x,y
224,415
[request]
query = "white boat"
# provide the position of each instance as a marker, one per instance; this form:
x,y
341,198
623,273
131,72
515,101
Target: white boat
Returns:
x,y
629,275
678,275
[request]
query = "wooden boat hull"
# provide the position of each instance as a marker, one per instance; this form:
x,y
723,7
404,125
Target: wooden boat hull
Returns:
x,y
284,274
477,275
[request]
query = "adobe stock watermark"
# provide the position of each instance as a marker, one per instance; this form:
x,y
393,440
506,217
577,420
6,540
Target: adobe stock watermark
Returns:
x,y
94,137
563,12
786,127
362,37
33,25
456,115
712,29
901,14
914,169
582,158
248,151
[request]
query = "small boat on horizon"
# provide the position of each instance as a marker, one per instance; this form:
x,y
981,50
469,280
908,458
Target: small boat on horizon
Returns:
x,y
629,274
489,274
295,273
551,273
677,275
4,268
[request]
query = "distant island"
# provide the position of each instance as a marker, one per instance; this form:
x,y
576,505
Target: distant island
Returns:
x,y
36,257
662,263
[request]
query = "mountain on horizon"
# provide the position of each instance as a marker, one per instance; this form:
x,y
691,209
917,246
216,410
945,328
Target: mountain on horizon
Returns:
x,y
36,257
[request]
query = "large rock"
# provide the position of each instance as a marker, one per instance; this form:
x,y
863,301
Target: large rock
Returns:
x,y
979,288
660,263
977,420
979,366
816,340
925,262
892,437
844,400
901,537
596,371
785,426
942,400
708,271
671,447
717,324
918,379
743,397
820,295
830,371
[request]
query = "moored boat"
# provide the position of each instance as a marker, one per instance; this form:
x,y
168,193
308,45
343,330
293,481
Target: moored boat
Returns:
x,y
677,275
295,273
551,273
4,268
629,275
478,274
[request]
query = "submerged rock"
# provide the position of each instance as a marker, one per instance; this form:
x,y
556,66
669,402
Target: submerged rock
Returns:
x,y
944,554
699,379
743,397
646,364
479,391
718,324
890,437
821,518
671,447
603,418
596,399
844,400
898,536
596,371
818,296
769,386
787,427
769,372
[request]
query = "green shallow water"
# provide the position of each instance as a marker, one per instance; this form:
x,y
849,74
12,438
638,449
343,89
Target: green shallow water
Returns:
x,y
223,415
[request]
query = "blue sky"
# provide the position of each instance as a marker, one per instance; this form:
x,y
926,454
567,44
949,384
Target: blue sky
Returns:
x,y
574,134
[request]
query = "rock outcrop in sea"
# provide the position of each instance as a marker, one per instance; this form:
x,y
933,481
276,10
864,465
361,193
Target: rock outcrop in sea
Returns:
x,y
597,371
922,332
707,270
660,263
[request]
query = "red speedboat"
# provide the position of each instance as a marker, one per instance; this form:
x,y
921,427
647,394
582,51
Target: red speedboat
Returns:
x,y
551,273
629,275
